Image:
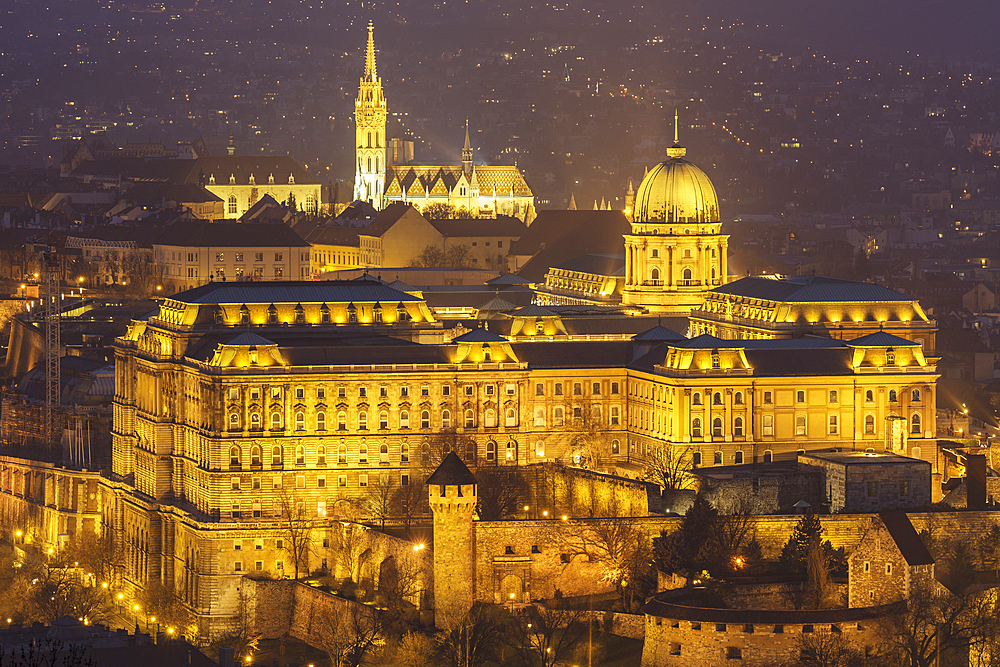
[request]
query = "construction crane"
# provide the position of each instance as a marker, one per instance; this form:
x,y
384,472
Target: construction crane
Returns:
x,y
51,313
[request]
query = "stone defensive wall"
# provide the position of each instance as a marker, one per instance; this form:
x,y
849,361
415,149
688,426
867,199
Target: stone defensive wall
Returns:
x,y
581,492
678,633
534,559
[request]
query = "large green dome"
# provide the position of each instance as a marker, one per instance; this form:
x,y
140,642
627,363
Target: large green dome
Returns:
x,y
676,191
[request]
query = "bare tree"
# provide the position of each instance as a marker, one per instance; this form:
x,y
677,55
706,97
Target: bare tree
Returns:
x,y
438,211
589,440
620,549
161,602
98,554
935,622
242,633
828,649
297,529
59,591
349,548
430,256
400,582
351,633
378,498
548,635
668,466
475,640
413,650
501,493
408,501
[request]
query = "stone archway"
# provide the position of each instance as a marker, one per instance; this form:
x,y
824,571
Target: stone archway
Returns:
x,y
511,583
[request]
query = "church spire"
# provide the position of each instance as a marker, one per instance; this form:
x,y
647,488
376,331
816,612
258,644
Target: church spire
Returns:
x,y
572,203
370,73
467,151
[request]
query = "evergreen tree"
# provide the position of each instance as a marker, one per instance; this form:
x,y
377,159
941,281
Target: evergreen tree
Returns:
x,y
685,549
807,531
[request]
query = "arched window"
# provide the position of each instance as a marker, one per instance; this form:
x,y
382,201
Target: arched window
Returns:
x,y
490,418
696,459
768,456
232,205
717,398
558,417
254,422
300,421
696,398
511,419
915,423
540,448
321,421
800,424
833,425
363,454
446,419
425,419
470,452
341,421
892,396
869,424
362,421
717,427
234,456
738,398
234,422
276,421
491,451
915,395
890,357
687,274
869,396
767,425
717,459
915,452
738,458
321,455
404,419
277,460
342,454
654,275
696,427
738,427
404,453
369,140
383,453
425,454
255,455
383,420
470,419
300,455
615,447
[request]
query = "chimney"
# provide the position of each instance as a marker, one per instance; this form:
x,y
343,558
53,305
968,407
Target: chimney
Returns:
x,y
975,481
226,656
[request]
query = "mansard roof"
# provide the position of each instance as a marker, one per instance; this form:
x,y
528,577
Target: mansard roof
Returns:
x,y
810,289
881,339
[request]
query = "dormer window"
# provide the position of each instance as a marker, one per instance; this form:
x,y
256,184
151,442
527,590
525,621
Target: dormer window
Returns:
x,y
300,315
291,180
272,315
716,362
324,313
890,357
232,179
270,179
244,314
211,179
252,180
378,311
352,312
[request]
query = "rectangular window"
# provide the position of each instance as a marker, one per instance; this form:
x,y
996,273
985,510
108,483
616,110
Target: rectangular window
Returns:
x,y
539,389
833,396
872,489
511,389
256,484
904,488
383,392
239,257
258,566
446,390
258,257
342,481
468,390
578,389
220,257
362,480
404,479
321,482
321,392
362,392
238,566
234,394
236,484
237,546
425,391
615,388
236,511
300,481
489,390
559,389
767,398
276,483
596,389
258,545
278,257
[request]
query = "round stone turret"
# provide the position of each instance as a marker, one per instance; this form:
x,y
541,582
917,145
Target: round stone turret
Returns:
x,y
451,491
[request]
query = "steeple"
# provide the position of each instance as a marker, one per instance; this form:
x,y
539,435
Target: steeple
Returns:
x,y
371,75
467,151
572,203
370,117
676,151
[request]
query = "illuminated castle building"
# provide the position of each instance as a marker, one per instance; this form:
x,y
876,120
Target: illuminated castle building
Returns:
x,y
676,250
475,191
